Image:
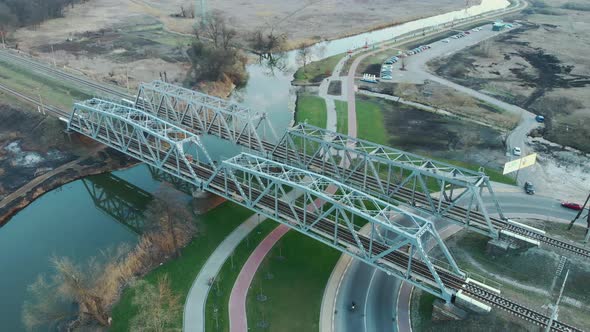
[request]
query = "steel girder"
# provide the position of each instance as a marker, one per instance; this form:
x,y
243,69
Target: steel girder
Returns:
x,y
392,175
141,136
332,213
201,113
119,199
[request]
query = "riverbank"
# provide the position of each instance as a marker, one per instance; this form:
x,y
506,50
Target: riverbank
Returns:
x,y
36,156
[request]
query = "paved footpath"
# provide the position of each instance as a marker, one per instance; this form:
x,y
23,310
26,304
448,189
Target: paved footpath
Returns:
x,y
194,308
237,301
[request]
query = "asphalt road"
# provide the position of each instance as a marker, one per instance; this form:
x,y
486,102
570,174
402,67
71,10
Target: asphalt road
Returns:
x,y
376,294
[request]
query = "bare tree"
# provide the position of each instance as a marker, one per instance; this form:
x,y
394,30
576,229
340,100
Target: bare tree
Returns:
x,y
265,43
158,307
90,286
304,54
216,30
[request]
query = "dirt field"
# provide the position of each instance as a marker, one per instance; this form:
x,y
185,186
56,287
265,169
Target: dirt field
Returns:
x,y
542,67
310,19
110,39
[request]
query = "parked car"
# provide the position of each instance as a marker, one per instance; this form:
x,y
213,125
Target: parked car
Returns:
x,y
466,32
540,118
454,37
570,205
529,188
446,41
516,151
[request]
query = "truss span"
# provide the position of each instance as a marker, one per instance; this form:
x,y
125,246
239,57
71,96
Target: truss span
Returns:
x,y
249,179
391,174
202,113
140,135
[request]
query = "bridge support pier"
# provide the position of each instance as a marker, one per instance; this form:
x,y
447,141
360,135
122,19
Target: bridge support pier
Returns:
x,y
200,193
506,244
443,311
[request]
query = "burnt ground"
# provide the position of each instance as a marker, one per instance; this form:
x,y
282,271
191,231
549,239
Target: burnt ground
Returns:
x,y
542,67
443,137
33,145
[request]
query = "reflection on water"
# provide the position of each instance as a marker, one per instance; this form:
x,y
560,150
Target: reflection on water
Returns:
x,y
119,199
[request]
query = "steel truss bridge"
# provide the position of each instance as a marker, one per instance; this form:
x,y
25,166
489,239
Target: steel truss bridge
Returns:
x,y
163,130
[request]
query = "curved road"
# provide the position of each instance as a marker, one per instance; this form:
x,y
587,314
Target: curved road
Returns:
x,y
376,294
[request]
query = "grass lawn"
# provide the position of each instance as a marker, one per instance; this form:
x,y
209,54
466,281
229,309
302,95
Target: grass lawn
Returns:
x,y
370,122
218,297
293,277
316,71
341,116
214,227
311,109
53,92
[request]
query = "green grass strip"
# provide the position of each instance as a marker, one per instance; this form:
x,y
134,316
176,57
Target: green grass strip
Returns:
x,y
311,109
292,277
218,297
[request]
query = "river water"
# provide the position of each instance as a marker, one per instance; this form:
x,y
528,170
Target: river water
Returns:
x,y
77,220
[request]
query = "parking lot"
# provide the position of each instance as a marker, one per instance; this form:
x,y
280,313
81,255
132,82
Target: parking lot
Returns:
x,y
415,59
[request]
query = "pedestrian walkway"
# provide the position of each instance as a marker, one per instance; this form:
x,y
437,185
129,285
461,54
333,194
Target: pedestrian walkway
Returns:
x,y
237,301
194,308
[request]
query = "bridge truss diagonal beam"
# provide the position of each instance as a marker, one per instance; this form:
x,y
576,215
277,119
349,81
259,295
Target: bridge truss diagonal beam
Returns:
x,y
202,113
142,136
392,175
335,219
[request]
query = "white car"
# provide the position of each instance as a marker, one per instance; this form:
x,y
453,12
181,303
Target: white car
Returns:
x,y
446,41
516,151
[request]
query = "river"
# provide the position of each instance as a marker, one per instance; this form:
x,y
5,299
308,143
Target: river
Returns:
x,y
71,221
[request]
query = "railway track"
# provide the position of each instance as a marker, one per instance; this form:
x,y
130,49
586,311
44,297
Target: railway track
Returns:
x,y
398,259
48,108
47,70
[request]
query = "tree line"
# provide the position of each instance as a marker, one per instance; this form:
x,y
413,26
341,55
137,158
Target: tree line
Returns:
x,y
18,13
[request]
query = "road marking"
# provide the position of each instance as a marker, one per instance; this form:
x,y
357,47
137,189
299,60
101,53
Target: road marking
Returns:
x,y
367,296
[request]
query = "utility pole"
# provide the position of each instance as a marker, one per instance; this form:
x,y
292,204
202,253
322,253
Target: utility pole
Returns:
x,y
556,307
587,219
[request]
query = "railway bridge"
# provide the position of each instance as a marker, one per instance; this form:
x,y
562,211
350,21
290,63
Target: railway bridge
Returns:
x,y
341,183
